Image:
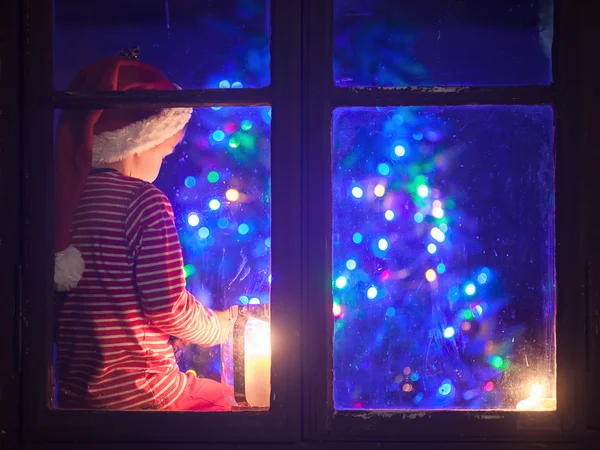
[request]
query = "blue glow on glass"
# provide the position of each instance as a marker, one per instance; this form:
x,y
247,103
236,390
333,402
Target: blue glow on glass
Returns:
x,y
243,229
190,182
351,264
218,135
383,169
203,232
357,238
419,217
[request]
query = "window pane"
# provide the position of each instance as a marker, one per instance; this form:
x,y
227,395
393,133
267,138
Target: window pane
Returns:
x,y
443,258
130,310
197,44
442,42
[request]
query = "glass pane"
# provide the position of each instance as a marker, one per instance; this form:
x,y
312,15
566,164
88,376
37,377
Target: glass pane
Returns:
x,y
443,258
442,42
135,309
197,44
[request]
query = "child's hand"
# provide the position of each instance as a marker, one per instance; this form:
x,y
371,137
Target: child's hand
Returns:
x,y
226,324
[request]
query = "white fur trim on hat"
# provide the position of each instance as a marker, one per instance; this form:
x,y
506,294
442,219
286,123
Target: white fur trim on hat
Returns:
x,y
138,137
68,269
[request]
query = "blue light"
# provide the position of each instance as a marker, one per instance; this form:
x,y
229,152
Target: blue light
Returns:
x,y
218,135
431,248
470,289
268,242
449,332
357,238
236,84
399,150
441,268
190,182
445,389
214,204
371,292
417,136
383,244
419,217
444,228
418,397
203,232
243,229
351,264
383,169
389,215
224,84
244,300
391,312
193,220
357,192
222,222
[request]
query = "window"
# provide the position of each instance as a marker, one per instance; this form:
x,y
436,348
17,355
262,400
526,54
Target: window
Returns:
x,y
226,198
394,192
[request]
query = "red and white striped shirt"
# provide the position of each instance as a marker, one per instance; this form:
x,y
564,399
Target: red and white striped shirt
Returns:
x,y
113,329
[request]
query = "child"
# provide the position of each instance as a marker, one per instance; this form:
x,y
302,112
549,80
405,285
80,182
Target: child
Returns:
x,y
118,263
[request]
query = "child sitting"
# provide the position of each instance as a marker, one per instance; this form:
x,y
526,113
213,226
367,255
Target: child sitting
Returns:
x,y
118,266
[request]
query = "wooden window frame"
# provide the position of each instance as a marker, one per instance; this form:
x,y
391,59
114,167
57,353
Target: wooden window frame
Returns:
x,y
301,170
282,422
322,422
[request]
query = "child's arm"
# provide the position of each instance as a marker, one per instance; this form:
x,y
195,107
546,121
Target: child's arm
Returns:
x,y
159,275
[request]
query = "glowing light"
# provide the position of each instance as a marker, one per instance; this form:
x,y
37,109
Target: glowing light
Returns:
x,y
438,213
371,293
449,332
423,191
407,387
232,195
478,310
466,326
189,182
244,300
351,264
341,282
445,389
482,278
437,234
441,268
399,150
431,248
223,222
389,215
218,135
383,169
406,371
443,228
243,229
268,242
419,217
212,177
357,192
203,232
470,289
414,377
237,84
357,238
488,387
383,244
214,204
337,310
497,362
379,190
192,372
537,391
390,312
193,220
246,125
254,301
417,136
224,84
436,204
430,275
234,142
189,270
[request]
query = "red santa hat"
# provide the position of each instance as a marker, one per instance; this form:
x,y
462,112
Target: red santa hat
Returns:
x,y
86,139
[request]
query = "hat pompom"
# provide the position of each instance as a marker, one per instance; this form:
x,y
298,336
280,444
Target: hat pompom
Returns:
x,y
68,269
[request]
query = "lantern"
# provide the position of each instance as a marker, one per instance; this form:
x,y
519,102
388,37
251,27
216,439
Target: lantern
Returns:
x,y
246,357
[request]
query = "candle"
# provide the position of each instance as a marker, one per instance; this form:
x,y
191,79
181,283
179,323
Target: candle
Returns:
x,y
257,368
536,400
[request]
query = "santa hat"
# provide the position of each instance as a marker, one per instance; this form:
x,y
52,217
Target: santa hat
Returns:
x,y
90,138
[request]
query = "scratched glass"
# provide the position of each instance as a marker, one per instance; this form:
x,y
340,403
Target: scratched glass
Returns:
x,y
443,258
197,44
443,42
